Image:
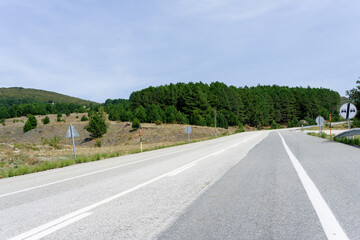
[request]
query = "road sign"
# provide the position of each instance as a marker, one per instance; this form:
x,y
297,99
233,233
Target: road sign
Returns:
x,y
71,134
348,111
320,121
188,130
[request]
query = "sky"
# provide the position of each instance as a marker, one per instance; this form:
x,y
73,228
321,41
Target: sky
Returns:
x,y
101,49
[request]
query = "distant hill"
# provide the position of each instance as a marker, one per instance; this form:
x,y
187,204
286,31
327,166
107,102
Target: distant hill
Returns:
x,y
40,96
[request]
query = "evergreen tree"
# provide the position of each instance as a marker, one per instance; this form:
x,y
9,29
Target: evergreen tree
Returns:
x,y
140,113
97,125
30,124
46,120
135,124
4,113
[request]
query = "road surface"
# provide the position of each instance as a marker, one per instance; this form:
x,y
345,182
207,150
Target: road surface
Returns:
x,y
253,185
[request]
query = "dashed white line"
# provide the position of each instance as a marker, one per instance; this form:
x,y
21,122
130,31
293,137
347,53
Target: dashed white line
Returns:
x,y
328,221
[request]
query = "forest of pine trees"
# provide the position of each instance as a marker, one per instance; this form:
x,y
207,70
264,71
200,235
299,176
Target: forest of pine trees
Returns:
x,y
195,103
11,108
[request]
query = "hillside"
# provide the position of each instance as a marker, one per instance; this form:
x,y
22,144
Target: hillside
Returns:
x,y
40,96
34,147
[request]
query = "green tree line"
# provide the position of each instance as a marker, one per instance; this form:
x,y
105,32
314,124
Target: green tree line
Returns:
x,y
11,108
195,103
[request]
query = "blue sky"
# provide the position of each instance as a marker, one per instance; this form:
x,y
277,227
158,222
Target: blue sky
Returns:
x,y
106,49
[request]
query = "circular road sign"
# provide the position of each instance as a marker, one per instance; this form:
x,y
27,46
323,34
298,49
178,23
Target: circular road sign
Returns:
x,y
320,120
188,130
348,111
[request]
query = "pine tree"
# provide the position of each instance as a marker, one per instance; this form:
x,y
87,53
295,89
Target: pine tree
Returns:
x,y
30,124
97,125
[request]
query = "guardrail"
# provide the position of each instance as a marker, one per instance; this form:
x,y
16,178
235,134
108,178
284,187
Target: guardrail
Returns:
x,y
352,132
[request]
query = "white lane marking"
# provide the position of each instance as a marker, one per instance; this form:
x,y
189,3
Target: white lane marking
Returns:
x,y
328,221
59,226
88,174
57,221
187,166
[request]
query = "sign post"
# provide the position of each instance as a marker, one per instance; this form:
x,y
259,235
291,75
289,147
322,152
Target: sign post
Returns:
x,y
348,111
188,131
71,133
140,140
320,121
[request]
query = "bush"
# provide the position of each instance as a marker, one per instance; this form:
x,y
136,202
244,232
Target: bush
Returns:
x,y
67,113
59,115
2,121
355,123
240,128
84,118
273,125
58,119
54,142
310,121
135,124
46,120
293,123
158,122
98,143
97,124
31,123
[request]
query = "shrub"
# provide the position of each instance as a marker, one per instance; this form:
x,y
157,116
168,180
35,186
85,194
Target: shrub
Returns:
x,y
240,128
355,123
67,113
46,120
84,118
293,123
97,125
310,121
2,121
31,123
59,115
58,119
54,142
135,124
98,142
158,122
273,125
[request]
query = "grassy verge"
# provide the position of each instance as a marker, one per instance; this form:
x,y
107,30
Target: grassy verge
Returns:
x,y
47,165
322,135
350,141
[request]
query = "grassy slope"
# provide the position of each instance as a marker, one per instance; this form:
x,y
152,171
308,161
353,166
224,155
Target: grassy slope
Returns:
x,y
40,95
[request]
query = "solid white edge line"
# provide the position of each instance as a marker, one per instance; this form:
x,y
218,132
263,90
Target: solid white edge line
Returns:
x,y
59,226
88,174
57,221
328,221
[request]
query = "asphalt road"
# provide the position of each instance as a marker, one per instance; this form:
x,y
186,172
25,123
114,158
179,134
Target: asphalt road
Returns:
x,y
254,185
